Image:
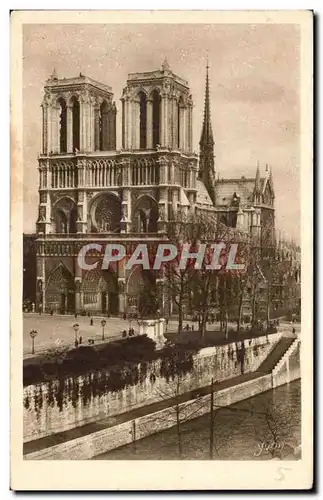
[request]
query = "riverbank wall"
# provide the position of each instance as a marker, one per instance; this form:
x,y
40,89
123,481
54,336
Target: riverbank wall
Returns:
x,y
70,402
108,434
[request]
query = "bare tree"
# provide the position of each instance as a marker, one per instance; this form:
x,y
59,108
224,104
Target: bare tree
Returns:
x,y
275,429
185,230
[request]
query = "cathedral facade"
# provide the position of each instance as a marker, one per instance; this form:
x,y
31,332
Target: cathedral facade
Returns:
x,y
90,192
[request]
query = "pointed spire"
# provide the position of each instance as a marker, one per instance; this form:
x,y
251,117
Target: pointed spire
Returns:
x,y
166,66
206,166
53,76
207,134
257,180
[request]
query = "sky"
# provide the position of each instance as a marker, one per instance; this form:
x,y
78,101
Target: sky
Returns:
x,y
254,90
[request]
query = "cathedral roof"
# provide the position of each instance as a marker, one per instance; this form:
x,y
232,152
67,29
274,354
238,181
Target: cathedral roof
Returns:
x,y
244,188
203,197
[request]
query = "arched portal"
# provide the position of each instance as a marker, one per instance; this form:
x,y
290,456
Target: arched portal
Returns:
x,y
100,292
106,214
146,215
156,118
64,216
60,290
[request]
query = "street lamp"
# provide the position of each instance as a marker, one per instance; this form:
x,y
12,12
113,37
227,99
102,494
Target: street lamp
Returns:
x,y
33,333
103,323
76,327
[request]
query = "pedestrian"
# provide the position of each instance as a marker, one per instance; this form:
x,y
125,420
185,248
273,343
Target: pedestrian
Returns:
x,y
51,312
91,322
124,316
294,331
108,316
75,315
124,334
187,327
192,328
80,339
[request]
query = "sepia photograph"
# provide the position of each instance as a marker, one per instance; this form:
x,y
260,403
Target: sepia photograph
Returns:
x,y
162,224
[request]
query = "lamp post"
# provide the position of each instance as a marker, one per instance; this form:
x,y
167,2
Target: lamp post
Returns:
x,y
33,333
76,327
103,323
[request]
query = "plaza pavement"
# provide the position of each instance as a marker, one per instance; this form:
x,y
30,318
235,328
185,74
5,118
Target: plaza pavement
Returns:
x,y
59,329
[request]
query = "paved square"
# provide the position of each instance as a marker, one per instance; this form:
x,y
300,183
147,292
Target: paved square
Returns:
x,y
53,328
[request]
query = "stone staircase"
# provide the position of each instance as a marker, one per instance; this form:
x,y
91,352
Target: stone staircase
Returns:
x,y
277,355
284,359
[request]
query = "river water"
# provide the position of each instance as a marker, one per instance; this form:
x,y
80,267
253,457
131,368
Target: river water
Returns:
x,y
259,428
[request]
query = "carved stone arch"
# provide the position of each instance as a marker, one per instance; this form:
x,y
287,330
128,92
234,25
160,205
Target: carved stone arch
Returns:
x,y
61,106
100,291
101,162
64,215
74,104
74,96
145,214
60,289
65,197
154,89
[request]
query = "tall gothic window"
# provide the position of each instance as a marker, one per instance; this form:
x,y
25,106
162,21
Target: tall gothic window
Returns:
x,y
104,126
76,123
156,118
62,126
143,121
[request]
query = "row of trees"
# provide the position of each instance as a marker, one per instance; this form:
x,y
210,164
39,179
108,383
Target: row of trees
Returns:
x,y
201,290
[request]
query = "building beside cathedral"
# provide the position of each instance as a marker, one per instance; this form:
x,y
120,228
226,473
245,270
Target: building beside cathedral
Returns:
x,y
90,192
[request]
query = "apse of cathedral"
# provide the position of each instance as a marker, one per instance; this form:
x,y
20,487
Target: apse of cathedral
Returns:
x,y
90,192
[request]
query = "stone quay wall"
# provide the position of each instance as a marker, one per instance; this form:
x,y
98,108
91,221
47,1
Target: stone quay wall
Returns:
x,y
87,447
63,404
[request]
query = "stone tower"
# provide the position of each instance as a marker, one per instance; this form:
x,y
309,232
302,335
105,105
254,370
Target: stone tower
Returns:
x,y
206,165
79,119
157,144
91,193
